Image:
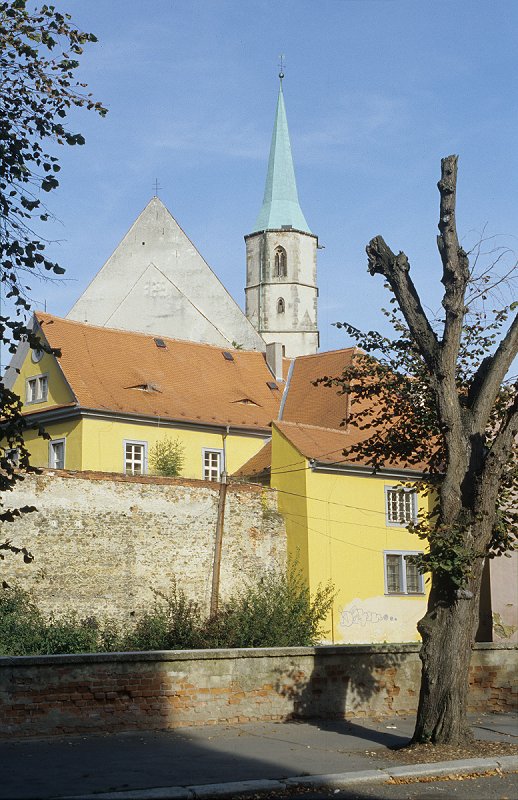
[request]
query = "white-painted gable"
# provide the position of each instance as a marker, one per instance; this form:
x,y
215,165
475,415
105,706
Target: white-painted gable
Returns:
x,y
157,282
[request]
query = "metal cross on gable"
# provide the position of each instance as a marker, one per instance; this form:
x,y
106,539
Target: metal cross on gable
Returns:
x,y
156,187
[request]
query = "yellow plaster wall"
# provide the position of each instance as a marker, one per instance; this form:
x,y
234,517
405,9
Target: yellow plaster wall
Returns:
x,y
38,447
103,445
347,536
337,524
98,444
58,390
289,472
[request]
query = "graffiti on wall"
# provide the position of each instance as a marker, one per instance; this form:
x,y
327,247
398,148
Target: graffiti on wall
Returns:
x,y
363,616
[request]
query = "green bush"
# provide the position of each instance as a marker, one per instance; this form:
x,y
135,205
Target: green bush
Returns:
x,y
276,611
21,624
167,457
175,623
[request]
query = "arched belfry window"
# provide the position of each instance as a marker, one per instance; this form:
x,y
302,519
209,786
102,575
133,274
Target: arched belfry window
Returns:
x,y
281,263
281,306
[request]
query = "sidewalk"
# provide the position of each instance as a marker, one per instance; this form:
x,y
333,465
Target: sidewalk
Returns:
x,y
188,762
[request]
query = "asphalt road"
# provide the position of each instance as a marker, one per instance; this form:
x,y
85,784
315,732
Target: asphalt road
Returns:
x,y
500,787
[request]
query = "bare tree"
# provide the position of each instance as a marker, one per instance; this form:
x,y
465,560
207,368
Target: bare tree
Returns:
x,y
441,399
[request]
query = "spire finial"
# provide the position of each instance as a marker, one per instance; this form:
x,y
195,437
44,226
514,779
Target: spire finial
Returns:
x,y
156,188
281,65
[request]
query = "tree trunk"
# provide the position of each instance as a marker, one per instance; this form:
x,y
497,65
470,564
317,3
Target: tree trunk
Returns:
x,y
448,633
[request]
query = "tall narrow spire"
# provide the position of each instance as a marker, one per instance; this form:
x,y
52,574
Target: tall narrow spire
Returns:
x,y
280,202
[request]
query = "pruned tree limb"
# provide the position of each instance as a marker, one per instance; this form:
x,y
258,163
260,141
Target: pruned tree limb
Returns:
x,y
396,268
455,276
490,374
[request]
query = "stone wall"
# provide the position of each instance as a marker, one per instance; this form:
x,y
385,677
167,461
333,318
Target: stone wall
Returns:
x,y
103,542
113,692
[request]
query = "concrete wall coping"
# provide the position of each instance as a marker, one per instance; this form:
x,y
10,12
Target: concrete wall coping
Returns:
x,y
160,656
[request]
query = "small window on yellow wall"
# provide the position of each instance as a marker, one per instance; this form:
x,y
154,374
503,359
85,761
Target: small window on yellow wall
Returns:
x,y
57,454
36,389
401,574
135,458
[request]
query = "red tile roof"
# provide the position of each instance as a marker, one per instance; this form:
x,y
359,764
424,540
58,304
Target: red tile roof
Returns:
x,y
317,405
126,372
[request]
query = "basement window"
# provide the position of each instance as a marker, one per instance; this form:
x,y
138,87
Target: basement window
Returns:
x,y
227,356
272,385
160,343
401,575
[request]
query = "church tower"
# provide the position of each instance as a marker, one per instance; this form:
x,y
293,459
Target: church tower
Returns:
x,y
281,255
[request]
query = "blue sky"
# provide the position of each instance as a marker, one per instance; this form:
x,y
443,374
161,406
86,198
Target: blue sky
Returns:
x,y
376,91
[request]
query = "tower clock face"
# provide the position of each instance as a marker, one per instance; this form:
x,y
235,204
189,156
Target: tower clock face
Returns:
x,y
37,355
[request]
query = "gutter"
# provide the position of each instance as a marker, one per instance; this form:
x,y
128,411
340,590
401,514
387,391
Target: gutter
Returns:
x,y
79,412
383,473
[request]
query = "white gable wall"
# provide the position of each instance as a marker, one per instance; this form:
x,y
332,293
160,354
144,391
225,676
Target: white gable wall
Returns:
x,y
157,282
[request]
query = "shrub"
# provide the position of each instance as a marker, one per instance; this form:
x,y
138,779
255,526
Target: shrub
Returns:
x,y
167,457
21,624
175,623
277,611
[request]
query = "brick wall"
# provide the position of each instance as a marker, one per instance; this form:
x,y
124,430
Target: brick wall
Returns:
x,y
113,692
102,542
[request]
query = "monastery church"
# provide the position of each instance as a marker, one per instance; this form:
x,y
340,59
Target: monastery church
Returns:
x,y
157,282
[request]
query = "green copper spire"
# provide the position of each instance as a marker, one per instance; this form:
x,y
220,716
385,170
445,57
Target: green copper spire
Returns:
x,y
280,202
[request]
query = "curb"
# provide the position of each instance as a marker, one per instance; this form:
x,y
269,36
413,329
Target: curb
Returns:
x,y
205,791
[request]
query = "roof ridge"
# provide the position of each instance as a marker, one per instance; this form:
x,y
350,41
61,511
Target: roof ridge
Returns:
x,y
278,422
353,348
89,325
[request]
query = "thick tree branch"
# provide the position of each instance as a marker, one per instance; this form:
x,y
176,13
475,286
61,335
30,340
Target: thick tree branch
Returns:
x,y
489,376
455,263
396,268
501,448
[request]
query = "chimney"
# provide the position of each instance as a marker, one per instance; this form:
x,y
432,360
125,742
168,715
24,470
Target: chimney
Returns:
x,y
274,354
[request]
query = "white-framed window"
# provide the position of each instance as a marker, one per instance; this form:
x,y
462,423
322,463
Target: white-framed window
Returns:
x,y
213,464
57,454
36,389
12,454
401,574
400,505
135,457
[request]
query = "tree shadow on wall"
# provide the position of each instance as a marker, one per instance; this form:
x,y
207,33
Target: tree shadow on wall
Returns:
x,y
354,683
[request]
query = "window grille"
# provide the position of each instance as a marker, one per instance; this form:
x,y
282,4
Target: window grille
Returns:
x,y
400,506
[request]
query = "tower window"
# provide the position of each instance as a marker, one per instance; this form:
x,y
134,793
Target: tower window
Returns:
x,y
280,263
281,307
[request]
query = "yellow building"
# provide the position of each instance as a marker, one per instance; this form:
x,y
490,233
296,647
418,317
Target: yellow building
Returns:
x,y
344,523
108,396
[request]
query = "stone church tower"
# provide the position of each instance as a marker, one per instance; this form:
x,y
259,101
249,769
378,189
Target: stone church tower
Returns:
x,y
281,256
